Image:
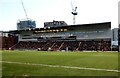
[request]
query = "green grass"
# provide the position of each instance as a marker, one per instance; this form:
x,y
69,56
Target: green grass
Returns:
x,y
100,60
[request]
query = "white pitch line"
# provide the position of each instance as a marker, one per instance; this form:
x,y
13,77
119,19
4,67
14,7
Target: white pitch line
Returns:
x,y
58,66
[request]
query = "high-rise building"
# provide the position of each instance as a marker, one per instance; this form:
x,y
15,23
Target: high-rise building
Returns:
x,y
55,24
25,24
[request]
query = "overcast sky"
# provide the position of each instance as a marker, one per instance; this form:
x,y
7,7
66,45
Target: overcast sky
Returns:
x,y
119,12
89,11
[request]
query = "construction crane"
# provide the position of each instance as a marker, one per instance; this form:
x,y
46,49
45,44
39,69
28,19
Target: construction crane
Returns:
x,y
74,12
27,23
24,9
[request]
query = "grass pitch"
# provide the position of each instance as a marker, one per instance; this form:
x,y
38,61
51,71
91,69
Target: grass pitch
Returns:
x,y
94,60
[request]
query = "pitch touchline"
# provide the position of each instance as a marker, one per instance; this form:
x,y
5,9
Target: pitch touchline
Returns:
x,y
58,66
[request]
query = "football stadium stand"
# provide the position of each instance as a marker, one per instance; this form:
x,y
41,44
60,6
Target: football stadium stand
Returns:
x,y
85,37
